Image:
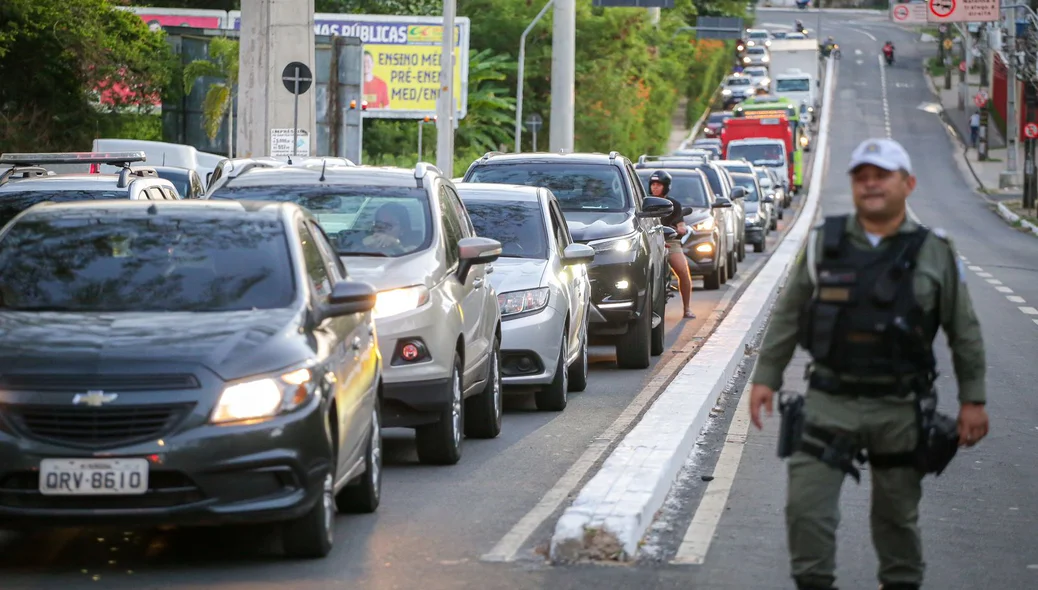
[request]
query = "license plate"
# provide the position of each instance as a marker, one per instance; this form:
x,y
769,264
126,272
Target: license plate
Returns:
x,y
93,477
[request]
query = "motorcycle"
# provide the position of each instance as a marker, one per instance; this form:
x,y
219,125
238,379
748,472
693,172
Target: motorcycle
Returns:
x,y
888,54
836,51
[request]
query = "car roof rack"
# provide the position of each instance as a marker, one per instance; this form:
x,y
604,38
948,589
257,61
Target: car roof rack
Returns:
x,y
123,159
423,168
24,172
489,155
138,171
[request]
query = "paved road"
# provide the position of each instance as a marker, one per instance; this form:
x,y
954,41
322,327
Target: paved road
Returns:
x,y
978,519
432,527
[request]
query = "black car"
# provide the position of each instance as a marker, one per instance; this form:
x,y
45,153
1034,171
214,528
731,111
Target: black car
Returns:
x,y
184,363
606,208
707,247
187,181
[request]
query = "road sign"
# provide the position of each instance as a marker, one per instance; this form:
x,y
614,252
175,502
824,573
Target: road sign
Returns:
x,y
534,122
297,72
1031,131
948,44
961,11
980,99
281,143
908,14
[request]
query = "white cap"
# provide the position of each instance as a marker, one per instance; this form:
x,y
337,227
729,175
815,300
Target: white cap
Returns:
x,y
884,153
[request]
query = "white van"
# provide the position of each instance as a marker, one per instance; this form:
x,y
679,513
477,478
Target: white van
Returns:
x,y
160,153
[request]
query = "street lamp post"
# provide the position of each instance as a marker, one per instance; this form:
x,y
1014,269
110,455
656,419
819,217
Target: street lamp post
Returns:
x,y
521,73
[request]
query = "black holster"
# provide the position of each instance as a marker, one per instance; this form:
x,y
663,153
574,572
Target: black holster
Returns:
x,y
791,428
938,439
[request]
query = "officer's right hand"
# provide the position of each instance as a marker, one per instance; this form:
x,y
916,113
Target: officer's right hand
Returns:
x,y
760,395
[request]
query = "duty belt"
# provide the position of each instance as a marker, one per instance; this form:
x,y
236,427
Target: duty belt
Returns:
x,y
837,386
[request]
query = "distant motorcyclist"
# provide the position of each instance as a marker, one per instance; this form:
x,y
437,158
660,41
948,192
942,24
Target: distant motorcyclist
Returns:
x,y
800,28
827,45
888,52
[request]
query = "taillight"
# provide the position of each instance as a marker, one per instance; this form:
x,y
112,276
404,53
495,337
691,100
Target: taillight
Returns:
x,y
95,168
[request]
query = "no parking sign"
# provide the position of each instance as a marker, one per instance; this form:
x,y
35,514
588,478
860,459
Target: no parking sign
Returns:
x,y
908,14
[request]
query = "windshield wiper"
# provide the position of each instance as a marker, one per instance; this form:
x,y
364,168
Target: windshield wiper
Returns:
x,y
380,254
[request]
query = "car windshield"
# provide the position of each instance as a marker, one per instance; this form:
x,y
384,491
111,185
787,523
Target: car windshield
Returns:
x,y
687,189
756,50
99,262
759,154
793,85
756,72
360,220
181,180
518,225
738,81
718,118
714,178
578,187
747,183
759,35
13,203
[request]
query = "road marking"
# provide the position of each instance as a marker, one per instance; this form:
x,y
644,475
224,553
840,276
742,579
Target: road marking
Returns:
x,y
1004,289
1029,310
1015,298
883,87
866,33
696,543
975,268
1035,321
994,281
986,275
508,548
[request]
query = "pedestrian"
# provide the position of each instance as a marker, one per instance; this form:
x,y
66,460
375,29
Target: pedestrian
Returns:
x,y
974,128
659,185
865,299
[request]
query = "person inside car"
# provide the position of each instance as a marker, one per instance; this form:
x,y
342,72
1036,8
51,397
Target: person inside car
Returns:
x,y
391,220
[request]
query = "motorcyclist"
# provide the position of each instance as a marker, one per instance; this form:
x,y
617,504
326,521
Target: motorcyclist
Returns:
x,y
659,186
888,51
799,27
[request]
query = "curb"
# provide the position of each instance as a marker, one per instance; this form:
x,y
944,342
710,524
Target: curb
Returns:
x,y
999,208
611,513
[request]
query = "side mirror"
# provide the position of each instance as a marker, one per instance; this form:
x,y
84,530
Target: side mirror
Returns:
x,y
721,202
349,297
473,251
769,199
738,193
669,233
686,211
655,207
578,254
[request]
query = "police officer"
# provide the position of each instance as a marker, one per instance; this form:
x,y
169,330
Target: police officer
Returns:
x,y
659,186
865,299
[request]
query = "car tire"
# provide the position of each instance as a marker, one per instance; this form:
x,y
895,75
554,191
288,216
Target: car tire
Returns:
x,y
731,265
723,275
578,371
440,443
656,347
774,224
740,250
712,281
311,536
633,349
759,246
554,397
483,411
781,213
364,495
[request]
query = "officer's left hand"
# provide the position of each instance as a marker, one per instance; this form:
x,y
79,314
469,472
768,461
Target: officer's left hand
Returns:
x,y
973,424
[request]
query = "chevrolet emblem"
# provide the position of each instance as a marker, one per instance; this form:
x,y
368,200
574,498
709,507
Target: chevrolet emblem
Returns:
x,y
94,399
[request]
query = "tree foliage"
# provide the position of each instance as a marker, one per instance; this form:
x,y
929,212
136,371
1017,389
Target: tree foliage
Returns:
x,y
55,55
222,65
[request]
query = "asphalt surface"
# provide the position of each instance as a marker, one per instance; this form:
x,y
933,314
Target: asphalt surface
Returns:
x,y
431,529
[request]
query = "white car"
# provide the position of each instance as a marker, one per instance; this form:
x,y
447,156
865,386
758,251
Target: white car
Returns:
x,y
756,56
758,38
758,76
542,287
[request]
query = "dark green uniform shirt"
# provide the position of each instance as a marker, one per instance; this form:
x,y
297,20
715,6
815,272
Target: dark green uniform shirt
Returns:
x,y
940,282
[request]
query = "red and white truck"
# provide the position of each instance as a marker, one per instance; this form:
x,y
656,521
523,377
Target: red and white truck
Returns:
x,y
737,143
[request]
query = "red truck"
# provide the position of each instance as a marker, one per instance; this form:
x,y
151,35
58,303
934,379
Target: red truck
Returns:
x,y
763,128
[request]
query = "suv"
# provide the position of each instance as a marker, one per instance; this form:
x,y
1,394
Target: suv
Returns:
x,y
437,316
606,208
28,182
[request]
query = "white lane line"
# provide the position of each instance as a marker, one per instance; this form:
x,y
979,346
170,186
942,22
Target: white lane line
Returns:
x,y
1015,298
866,33
696,543
1035,321
985,275
975,268
1004,289
994,281
883,87
1029,310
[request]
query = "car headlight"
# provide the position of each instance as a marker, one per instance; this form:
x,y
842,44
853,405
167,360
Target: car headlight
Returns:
x,y
767,43
397,301
264,398
765,59
705,225
517,302
803,141
726,92
621,244
746,60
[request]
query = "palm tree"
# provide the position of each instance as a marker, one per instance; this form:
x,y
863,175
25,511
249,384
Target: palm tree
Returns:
x,y
223,64
491,107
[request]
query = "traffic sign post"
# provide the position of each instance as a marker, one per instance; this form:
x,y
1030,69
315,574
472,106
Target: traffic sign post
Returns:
x,y
297,79
534,122
980,99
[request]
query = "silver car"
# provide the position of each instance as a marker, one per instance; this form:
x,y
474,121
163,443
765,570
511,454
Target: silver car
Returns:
x,y
758,76
542,287
756,56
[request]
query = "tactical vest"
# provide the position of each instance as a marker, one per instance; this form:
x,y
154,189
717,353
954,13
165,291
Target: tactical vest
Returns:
x,y
864,319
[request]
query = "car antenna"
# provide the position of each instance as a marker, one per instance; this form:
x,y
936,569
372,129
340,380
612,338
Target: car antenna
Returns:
x,y
323,166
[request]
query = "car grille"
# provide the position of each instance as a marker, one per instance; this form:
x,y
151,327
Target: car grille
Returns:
x,y
96,427
109,382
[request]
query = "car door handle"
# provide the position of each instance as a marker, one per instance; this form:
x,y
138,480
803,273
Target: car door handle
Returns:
x,y
477,283
490,268
356,343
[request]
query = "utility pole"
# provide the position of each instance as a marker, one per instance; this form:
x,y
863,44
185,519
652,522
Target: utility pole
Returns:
x,y
445,106
521,77
563,75
964,73
1008,176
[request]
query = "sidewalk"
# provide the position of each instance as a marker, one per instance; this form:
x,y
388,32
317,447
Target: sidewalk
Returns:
x,y
986,174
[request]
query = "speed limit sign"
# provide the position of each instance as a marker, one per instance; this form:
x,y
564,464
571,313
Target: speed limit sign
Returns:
x,y
1030,131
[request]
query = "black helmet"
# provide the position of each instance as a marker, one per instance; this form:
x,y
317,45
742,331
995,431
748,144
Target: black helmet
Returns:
x,y
662,177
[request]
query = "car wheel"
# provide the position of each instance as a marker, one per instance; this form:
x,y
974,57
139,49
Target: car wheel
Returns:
x,y
311,535
712,281
759,246
723,274
731,264
781,212
774,224
578,371
553,398
740,250
656,347
483,411
440,443
633,348
364,495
